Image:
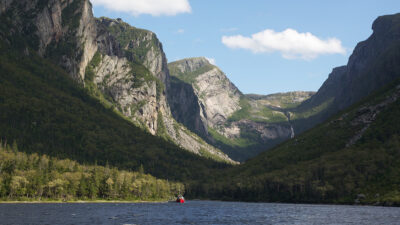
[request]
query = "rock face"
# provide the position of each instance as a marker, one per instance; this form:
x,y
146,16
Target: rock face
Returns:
x,y
216,98
219,96
186,107
134,82
349,84
205,101
123,66
62,30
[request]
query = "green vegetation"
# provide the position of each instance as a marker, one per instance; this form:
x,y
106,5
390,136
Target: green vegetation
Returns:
x,y
244,147
243,112
140,75
26,32
69,45
296,114
30,177
103,97
161,130
237,142
203,152
46,112
206,154
89,78
135,42
188,77
90,73
71,15
261,114
318,167
284,101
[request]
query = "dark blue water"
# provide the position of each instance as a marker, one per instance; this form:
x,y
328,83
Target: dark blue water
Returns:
x,y
195,212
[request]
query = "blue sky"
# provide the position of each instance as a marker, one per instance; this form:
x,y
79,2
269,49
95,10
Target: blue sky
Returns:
x,y
191,28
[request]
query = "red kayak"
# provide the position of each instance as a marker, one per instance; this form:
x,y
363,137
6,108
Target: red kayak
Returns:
x,y
180,199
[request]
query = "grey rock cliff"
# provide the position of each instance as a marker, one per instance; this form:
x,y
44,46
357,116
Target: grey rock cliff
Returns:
x,y
215,97
64,31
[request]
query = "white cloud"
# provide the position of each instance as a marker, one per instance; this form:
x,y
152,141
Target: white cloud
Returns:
x,y
211,60
180,31
152,7
290,43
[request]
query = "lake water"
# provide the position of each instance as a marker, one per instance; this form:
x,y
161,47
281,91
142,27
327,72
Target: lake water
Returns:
x,y
195,212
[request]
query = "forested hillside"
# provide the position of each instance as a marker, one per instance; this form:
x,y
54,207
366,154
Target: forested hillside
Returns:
x,y
352,158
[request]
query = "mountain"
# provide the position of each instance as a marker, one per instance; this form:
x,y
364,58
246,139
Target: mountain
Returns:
x,y
251,124
122,66
51,104
353,157
208,103
359,78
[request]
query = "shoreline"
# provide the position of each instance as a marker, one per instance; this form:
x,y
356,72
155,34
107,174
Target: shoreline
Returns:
x,y
80,201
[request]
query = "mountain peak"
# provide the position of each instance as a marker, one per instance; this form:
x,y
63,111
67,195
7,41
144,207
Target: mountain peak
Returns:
x,y
191,64
387,24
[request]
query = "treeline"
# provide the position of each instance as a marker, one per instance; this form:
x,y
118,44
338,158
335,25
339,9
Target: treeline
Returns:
x,y
366,174
40,177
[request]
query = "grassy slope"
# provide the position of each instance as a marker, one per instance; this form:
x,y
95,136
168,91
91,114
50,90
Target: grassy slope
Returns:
x,y
44,111
287,100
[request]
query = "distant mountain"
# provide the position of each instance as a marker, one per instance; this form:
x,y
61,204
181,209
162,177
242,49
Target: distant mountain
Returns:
x,y
373,64
208,103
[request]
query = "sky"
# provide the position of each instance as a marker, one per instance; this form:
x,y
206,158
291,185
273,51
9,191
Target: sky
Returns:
x,y
263,46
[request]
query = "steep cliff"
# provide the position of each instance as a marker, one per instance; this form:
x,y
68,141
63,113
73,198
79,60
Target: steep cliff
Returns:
x,y
217,98
123,66
213,107
348,84
63,31
130,72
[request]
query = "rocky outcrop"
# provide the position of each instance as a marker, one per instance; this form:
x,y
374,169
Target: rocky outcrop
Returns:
x,y
134,97
218,95
216,98
190,65
63,31
186,107
367,114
